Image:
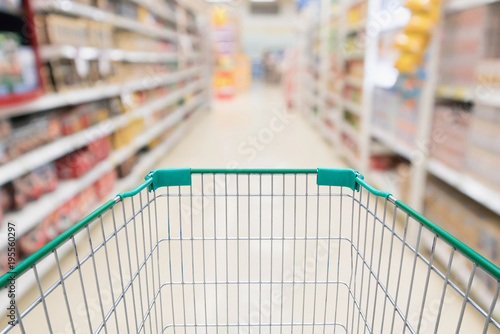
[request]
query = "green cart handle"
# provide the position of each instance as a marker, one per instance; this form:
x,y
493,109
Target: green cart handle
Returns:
x,y
182,177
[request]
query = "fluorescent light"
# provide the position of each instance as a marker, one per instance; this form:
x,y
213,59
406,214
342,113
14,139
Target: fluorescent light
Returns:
x,y
262,0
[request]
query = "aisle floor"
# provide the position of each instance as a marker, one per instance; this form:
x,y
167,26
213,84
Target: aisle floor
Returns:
x,y
253,130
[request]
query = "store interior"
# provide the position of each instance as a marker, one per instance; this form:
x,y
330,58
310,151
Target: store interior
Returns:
x,y
94,94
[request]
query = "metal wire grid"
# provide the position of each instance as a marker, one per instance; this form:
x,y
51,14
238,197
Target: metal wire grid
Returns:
x,y
253,253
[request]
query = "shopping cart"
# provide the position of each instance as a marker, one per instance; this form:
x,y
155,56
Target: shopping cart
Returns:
x,y
236,251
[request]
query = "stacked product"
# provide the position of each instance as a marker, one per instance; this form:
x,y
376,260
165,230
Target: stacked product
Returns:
x,y
414,39
483,147
462,46
386,103
470,47
92,66
449,134
396,109
466,220
67,214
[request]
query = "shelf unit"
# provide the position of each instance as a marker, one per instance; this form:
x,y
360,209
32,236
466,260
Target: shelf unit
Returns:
x,y
334,100
124,184
414,153
186,29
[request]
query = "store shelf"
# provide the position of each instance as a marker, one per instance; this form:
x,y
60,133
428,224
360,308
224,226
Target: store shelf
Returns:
x,y
50,52
456,5
467,185
389,139
352,107
459,93
67,144
35,211
354,82
490,97
77,96
93,13
133,179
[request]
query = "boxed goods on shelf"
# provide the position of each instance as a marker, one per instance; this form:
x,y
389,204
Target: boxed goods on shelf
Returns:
x,y
355,68
470,40
352,94
483,146
449,133
396,109
465,219
30,186
385,105
105,184
81,161
66,215
28,133
62,30
130,41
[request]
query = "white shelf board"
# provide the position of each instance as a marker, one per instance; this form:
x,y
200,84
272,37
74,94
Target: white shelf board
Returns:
x,y
489,97
49,52
354,82
390,140
125,184
67,144
34,212
93,13
353,107
467,185
74,97
456,5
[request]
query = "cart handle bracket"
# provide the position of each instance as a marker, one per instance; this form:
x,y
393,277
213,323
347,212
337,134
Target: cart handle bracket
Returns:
x,y
169,177
339,178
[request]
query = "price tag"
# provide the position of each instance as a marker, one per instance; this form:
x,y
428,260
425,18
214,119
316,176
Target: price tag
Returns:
x,y
82,67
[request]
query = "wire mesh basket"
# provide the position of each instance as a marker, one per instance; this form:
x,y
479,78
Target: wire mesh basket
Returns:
x,y
252,251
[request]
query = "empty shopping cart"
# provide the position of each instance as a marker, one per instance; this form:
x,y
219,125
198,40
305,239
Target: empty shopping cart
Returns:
x,y
253,251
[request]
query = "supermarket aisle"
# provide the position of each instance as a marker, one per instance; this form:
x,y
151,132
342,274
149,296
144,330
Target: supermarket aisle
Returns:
x,y
252,130
229,135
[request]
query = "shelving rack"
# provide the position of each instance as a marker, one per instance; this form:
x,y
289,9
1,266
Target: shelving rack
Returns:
x,y
332,103
369,135
190,24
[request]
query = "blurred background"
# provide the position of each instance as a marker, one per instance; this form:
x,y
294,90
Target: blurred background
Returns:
x,y
95,93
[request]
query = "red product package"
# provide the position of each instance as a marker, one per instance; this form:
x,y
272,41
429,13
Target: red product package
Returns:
x,y
74,164
48,227
31,241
